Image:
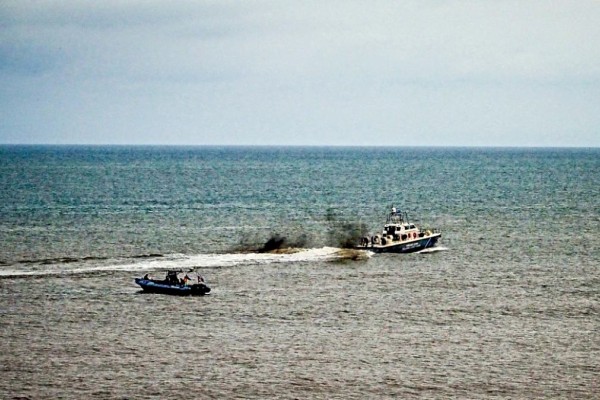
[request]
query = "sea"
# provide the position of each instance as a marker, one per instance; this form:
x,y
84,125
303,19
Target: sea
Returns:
x,y
507,306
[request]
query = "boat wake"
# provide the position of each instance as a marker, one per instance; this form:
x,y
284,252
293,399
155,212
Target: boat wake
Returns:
x,y
433,250
180,261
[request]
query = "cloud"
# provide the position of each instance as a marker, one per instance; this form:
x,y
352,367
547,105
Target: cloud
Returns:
x,y
267,72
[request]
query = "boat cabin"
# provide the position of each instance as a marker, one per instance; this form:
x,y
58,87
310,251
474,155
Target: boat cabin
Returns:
x,y
393,229
397,225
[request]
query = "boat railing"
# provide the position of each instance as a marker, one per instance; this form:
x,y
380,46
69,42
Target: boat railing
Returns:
x,y
397,218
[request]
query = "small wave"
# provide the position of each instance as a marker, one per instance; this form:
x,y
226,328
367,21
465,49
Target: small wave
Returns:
x,y
57,260
151,255
183,262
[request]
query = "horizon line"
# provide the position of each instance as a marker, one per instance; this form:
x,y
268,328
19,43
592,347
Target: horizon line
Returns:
x,y
290,146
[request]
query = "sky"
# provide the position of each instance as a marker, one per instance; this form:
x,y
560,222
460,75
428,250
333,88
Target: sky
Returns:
x,y
319,73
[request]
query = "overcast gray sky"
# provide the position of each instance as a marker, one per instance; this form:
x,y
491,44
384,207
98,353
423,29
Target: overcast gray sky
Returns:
x,y
378,72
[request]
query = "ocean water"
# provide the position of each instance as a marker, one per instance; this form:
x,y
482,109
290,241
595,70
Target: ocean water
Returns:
x,y
507,306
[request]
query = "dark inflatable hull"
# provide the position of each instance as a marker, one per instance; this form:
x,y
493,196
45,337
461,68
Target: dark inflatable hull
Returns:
x,y
152,286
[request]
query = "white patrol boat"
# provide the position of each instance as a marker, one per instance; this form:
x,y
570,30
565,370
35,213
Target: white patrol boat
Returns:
x,y
400,236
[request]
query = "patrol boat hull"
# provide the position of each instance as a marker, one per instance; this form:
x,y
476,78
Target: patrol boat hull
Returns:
x,y
409,246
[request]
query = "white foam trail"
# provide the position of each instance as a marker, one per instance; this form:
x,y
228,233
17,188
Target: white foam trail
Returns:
x,y
234,259
184,262
433,250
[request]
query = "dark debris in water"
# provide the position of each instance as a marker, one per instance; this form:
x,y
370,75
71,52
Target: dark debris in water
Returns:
x,y
275,243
